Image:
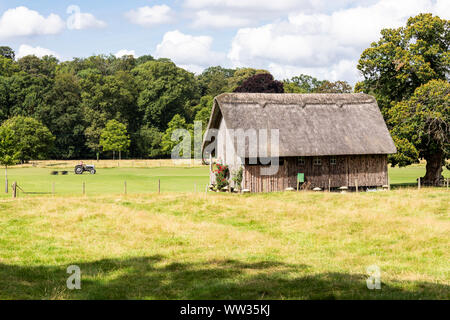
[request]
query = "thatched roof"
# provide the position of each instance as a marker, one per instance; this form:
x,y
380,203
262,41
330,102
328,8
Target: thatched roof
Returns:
x,y
309,124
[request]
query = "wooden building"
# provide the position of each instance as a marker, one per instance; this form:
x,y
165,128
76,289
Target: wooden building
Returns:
x,y
333,140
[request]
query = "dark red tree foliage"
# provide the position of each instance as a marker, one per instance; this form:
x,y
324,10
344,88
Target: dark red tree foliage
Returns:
x,y
261,83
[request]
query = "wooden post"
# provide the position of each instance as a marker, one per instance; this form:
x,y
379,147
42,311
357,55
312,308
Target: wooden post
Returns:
x,y
356,184
159,186
125,188
14,190
6,179
84,188
329,185
418,183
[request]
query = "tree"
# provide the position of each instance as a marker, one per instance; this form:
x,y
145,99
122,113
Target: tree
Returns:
x,y
7,52
7,67
308,84
406,58
334,87
115,137
32,140
62,114
422,123
214,80
8,152
240,75
393,68
302,84
165,90
261,83
178,122
148,142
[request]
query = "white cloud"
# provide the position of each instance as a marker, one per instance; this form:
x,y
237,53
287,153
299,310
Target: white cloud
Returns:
x,y
324,44
205,19
149,16
26,50
191,52
80,20
248,4
125,52
22,21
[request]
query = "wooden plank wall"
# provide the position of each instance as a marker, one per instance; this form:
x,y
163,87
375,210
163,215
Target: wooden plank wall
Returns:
x,y
368,170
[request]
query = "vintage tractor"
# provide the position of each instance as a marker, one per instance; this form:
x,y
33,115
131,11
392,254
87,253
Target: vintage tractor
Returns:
x,y
80,169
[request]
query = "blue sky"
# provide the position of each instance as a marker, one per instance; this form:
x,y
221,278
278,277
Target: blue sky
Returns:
x,y
287,37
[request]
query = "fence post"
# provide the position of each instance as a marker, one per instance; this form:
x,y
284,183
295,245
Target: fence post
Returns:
x,y
356,184
418,183
84,188
329,185
14,190
159,186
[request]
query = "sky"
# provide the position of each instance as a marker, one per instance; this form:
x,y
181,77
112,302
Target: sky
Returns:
x,y
287,37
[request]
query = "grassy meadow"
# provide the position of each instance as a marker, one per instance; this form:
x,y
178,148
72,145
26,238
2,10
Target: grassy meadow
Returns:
x,y
186,245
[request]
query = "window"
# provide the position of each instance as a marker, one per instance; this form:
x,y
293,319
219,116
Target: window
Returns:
x,y
317,161
301,161
333,161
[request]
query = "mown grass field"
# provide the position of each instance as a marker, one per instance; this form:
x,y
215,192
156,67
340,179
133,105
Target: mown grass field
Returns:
x,y
186,245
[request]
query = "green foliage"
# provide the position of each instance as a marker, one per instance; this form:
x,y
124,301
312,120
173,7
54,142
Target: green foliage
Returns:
x,y
238,177
215,80
62,114
203,110
7,52
32,139
406,58
9,154
422,121
7,67
115,137
149,142
165,90
406,153
176,123
76,99
308,84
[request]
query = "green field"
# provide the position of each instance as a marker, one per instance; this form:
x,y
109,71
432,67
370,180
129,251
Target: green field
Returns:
x,y
112,180
145,180
186,245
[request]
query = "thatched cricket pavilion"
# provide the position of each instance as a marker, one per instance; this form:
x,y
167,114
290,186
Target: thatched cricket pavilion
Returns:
x,y
327,140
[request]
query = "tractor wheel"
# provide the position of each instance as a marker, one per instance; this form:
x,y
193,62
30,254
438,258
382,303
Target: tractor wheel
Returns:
x,y
78,170
93,171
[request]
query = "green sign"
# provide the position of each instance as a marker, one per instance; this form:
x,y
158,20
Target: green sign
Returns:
x,y
301,177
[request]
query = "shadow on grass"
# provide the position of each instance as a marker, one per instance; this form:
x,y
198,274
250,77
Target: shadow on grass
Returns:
x,y
150,278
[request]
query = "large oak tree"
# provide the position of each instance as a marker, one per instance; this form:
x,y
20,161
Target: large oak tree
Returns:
x,y
393,68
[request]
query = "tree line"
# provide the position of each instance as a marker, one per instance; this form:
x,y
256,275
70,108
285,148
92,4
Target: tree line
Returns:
x,y
81,99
